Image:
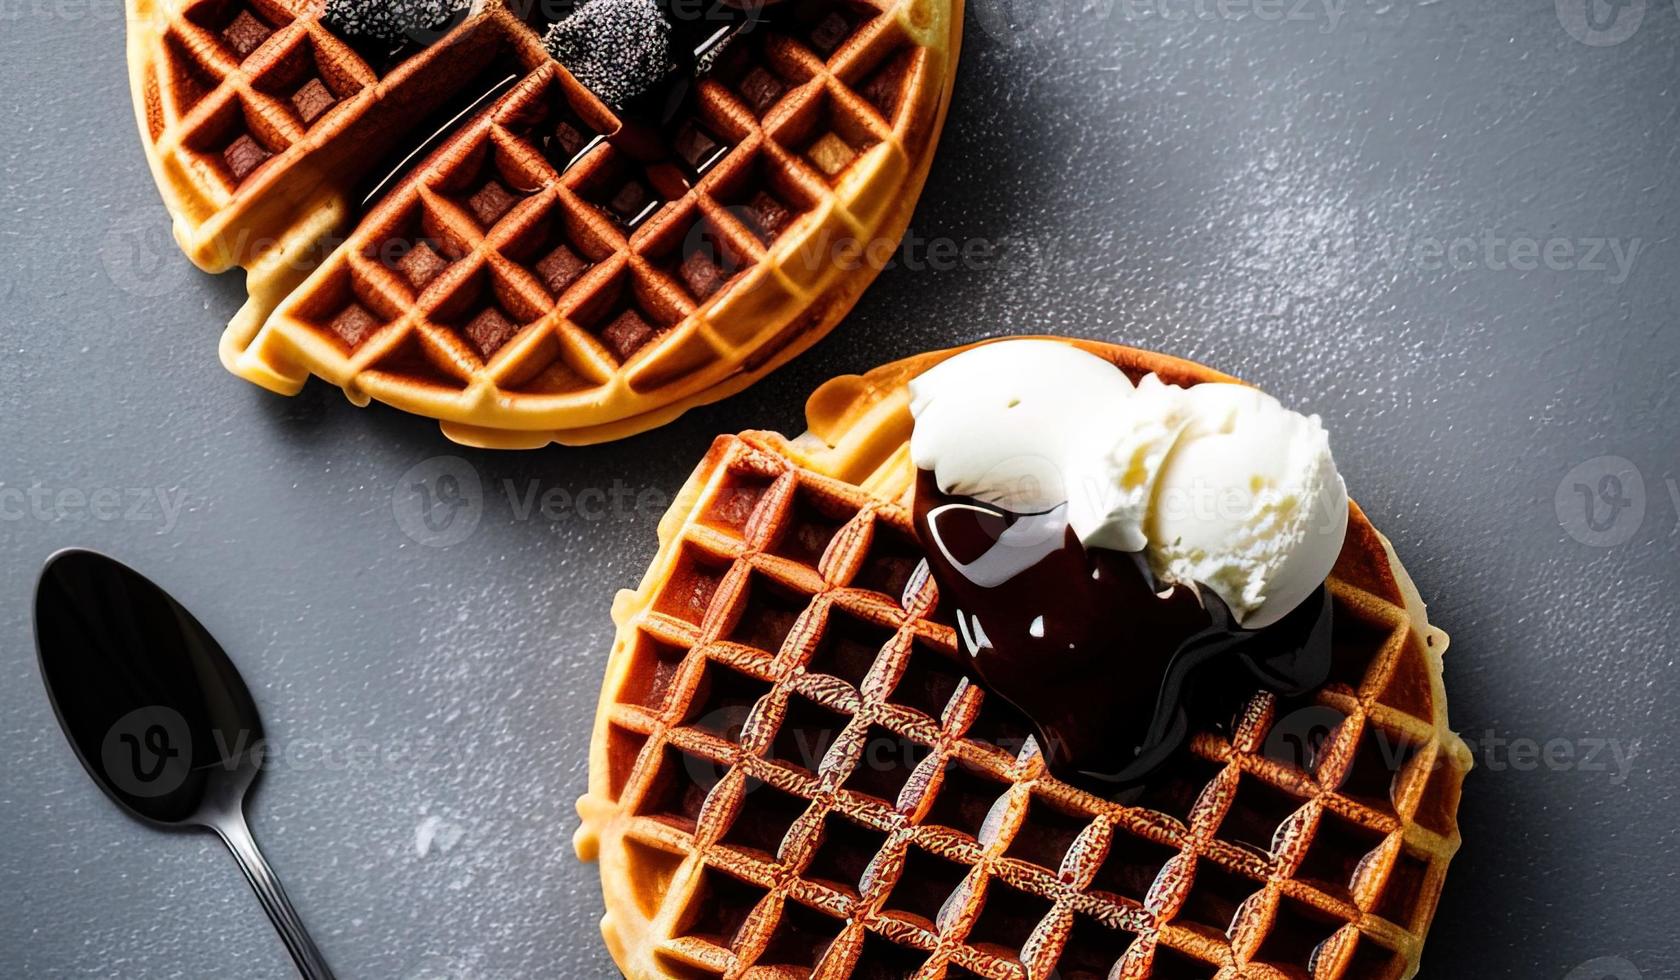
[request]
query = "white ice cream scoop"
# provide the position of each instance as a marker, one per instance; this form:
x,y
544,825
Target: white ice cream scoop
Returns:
x,y
996,422
1115,463
1247,502
1218,484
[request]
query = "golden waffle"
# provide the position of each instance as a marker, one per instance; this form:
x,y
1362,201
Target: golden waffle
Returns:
x,y
492,288
789,778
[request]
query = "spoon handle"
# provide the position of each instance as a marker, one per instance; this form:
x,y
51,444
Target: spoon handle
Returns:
x,y
236,834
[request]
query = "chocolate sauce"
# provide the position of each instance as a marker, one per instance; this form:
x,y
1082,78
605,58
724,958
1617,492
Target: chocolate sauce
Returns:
x,y
1112,668
473,99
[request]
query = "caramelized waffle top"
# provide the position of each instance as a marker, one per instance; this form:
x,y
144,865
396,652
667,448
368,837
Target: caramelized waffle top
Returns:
x,y
790,776
528,279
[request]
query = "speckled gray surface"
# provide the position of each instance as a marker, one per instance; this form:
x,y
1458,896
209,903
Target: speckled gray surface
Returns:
x,y
1271,193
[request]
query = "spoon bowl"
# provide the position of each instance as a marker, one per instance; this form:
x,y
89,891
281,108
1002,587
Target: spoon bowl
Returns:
x,y
157,714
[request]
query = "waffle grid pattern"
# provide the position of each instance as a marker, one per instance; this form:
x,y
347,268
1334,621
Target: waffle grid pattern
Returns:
x,y
656,279
804,785
244,86
542,257
212,103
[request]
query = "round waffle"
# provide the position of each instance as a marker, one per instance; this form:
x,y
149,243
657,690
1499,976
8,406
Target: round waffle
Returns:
x,y
789,777
501,283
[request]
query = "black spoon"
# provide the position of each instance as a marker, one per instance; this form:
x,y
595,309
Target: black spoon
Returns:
x,y
158,714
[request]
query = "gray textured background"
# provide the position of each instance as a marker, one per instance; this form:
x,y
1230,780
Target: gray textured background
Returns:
x,y
1261,187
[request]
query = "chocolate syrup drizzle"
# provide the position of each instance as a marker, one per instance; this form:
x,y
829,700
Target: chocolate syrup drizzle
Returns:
x,y
1111,667
698,36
